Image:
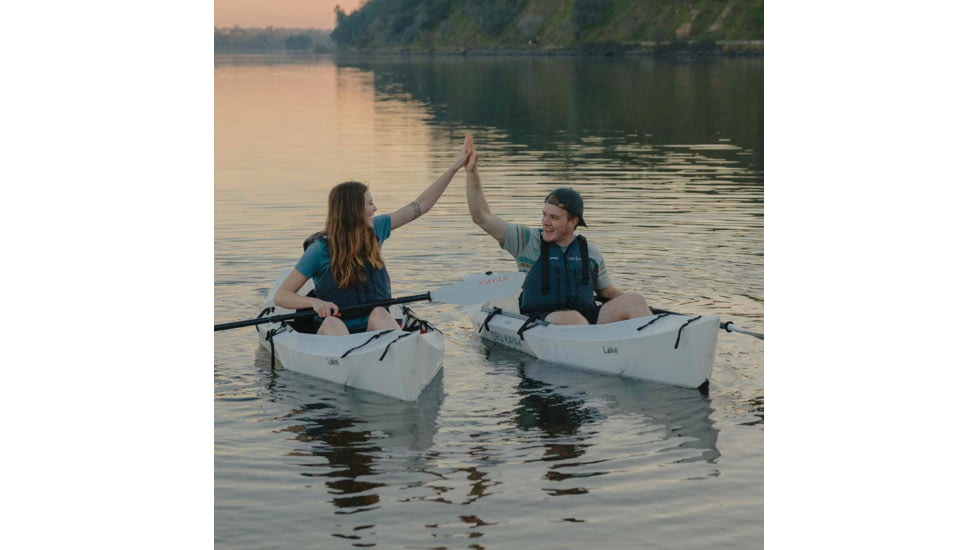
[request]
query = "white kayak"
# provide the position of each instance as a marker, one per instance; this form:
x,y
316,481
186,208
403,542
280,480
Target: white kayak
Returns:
x,y
395,363
669,348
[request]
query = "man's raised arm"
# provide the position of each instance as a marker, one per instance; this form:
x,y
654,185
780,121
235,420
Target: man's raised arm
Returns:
x,y
478,206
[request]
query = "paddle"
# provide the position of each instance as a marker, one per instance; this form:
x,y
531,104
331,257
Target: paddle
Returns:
x,y
474,289
728,326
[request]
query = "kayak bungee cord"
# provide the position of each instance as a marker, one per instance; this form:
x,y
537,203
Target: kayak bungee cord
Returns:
x,y
531,322
489,317
657,317
391,343
726,325
371,339
680,333
270,336
412,323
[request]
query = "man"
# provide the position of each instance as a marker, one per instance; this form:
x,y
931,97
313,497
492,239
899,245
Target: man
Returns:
x,y
565,272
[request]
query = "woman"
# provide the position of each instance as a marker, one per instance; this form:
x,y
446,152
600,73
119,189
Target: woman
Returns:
x,y
344,259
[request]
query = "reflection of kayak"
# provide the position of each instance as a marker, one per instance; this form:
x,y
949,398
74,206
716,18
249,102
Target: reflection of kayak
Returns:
x,y
351,423
395,363
563,402
665,347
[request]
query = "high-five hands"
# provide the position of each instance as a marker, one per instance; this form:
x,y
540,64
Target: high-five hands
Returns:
x,y
472,163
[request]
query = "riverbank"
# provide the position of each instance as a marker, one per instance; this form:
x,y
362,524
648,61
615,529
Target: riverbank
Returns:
x,y
703,48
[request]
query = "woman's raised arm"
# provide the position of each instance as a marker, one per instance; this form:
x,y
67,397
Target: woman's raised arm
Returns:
x,y
421,205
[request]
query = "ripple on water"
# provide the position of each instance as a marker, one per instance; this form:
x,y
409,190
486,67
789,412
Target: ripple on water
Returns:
x,y
503,451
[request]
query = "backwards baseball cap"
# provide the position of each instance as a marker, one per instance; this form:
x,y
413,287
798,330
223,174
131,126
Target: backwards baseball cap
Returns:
x,y
569,200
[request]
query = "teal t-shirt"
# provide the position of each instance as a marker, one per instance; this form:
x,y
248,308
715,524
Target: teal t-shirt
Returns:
x,y
314,263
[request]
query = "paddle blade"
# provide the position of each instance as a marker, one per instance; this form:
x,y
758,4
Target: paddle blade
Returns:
x,y
476,289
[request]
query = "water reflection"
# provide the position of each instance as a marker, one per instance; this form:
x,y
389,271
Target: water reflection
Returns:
x,y
570,408
755,406
672,170
560,417
478,480
540,101
352,434
669,157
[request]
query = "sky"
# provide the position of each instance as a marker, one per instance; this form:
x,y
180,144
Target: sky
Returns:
x,y
317,14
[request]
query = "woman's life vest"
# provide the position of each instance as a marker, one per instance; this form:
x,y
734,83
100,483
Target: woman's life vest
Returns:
x,y
376,288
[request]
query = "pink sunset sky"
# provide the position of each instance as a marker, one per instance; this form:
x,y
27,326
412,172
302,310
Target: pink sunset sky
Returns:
x,y
317,14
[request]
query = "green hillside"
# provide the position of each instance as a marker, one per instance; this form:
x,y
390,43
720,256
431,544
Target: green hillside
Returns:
x,y
545,24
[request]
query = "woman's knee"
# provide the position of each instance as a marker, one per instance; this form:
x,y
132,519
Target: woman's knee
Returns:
x,y
380,318
380,313
332,326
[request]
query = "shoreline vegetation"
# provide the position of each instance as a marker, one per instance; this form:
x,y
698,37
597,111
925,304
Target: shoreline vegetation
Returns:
x,y
552,27
681,28
705,48
682,49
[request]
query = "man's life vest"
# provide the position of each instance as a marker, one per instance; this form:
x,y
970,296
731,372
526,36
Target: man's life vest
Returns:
x,y
560,280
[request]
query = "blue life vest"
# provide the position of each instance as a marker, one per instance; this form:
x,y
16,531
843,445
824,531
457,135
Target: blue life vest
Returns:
x,y
376,288
559,280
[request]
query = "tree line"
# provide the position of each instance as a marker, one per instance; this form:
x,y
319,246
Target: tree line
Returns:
x,y
407,21
271,39
508,23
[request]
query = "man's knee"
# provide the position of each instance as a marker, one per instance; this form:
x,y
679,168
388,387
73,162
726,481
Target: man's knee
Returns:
x,y
627,306
566,317
636,300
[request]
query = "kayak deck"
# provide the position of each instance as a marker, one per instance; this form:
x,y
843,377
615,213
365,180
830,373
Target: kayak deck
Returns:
x,y
667,348
398,363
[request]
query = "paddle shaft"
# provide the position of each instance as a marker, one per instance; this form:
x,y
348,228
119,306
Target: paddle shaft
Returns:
x,y
351,312
730,327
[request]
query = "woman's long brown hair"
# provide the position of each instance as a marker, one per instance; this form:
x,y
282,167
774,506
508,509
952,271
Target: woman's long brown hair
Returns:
x,y
351,242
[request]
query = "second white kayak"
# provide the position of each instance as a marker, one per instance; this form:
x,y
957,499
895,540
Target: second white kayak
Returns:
x,y
668,348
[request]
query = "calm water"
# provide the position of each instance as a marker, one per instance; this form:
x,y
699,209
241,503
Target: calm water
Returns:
x,y
502,451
